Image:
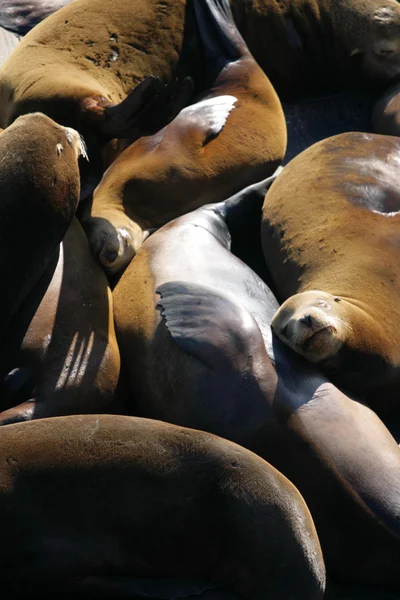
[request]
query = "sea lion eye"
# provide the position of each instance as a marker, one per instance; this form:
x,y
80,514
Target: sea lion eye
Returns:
x,y
336,299
60,148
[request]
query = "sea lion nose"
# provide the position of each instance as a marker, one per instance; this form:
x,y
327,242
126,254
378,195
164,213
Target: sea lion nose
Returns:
x,y
307,320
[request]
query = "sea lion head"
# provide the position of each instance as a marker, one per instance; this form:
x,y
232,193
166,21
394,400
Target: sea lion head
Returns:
x,y
373,36
313,323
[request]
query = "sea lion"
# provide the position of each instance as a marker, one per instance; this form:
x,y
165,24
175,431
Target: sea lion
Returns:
x,y
153,500
386,113
39,191
233,135
330,242
80,66
193,324
60,354
20,16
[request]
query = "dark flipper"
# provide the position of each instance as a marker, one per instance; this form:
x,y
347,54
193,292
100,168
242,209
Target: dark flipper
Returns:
x,y
149,107
218,331
209,325
220,37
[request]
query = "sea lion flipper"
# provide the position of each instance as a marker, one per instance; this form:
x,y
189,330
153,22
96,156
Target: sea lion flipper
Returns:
x,y
209,325
205,120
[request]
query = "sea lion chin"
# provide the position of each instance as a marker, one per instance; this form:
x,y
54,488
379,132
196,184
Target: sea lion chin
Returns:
x,y
312,324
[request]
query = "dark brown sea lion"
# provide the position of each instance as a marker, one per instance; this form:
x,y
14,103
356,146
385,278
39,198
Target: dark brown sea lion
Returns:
x,y
234,135
386,114
193,323
39,193
89,505
330,237
20,16
60,354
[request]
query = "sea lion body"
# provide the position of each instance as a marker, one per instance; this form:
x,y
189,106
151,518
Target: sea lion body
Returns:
x,y
85,59
330,241
193,324
60,355
115,501
39,190
233,136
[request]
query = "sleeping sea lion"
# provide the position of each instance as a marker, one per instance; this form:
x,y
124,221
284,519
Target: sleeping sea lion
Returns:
x,y
39,194
330,242
60,354
193,324
386,113
234,135
98,506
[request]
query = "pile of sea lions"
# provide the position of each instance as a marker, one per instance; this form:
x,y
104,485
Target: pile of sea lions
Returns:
x,y
199,359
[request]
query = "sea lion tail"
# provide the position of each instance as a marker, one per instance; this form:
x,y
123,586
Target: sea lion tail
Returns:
x,y
218,32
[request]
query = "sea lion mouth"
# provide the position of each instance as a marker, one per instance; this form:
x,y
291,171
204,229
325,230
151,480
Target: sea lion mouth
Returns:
x,y
317,334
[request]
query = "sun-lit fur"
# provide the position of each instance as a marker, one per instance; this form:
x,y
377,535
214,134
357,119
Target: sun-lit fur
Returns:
x,y
334,228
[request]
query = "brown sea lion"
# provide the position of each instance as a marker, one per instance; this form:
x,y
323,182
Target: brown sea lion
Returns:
x,y
234,135
39,193
91,505
386,113
60,354
331,244
193,324
82,61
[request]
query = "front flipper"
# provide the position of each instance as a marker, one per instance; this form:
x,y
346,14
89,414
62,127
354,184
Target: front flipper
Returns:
x,y
202,122
149,107
217,330
209,325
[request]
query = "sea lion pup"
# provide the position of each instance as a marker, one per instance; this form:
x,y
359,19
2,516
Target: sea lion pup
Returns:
x,y
386,113
80,66
234,135
193,324
60,354
330,242
155,500
39,193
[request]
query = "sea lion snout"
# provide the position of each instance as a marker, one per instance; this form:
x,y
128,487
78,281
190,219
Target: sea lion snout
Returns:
x,y
77,142
308,324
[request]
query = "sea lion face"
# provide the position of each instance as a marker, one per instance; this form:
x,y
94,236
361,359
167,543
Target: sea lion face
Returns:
x,y
313,324
381,52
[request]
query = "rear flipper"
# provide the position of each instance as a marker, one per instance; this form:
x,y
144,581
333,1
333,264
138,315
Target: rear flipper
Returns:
x,y
219,35
214,328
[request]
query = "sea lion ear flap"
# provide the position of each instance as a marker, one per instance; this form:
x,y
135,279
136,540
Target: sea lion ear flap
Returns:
x,y
146,109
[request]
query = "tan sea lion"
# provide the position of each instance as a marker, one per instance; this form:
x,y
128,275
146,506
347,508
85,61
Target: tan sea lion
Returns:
x,y
386,113
39,193
193,324
60,354
330,241
96,506
234,135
